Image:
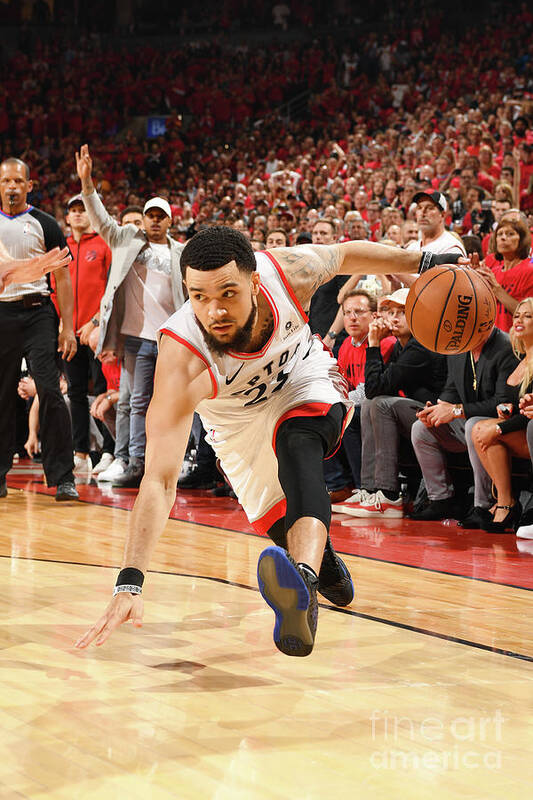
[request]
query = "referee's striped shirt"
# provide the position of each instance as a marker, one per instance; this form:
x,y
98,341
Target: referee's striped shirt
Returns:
x,y
30,233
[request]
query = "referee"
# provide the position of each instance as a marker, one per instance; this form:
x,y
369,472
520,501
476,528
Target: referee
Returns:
x,y
29,329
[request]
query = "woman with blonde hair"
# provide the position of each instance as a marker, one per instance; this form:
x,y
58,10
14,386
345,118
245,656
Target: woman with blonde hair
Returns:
x,y
498,440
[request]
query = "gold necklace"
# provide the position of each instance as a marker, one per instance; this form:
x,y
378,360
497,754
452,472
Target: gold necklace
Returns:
x,y
474,382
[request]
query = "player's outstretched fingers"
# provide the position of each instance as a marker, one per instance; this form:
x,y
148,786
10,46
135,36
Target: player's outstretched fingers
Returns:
x,y
122,607
92,633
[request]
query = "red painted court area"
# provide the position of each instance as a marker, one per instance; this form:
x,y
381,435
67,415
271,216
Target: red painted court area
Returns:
x,y
446,548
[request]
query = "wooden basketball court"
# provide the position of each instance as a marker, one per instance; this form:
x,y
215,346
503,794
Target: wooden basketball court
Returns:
x,y
423,688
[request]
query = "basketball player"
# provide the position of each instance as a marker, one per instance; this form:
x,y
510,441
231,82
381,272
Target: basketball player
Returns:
x,y
274,404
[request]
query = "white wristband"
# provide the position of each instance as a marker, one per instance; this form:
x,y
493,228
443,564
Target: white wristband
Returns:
x,y
127,588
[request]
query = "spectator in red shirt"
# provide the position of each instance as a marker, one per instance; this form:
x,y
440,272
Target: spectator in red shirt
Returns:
x,y
359,309
91,259
511,277
498,208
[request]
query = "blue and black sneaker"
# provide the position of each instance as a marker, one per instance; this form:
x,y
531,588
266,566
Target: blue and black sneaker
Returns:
x,y
290,590
334,579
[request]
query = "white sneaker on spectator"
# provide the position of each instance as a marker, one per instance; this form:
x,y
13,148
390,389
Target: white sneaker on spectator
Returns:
x,y
82,466
375,505
359,496
105,462
114,471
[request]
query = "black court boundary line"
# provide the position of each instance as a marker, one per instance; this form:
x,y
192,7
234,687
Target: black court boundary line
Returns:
x,y
341,552
401,625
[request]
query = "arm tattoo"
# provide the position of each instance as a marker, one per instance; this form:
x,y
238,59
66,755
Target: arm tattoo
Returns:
x,y
309,267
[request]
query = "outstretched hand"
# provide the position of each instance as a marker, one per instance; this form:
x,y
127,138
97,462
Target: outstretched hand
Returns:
x,y
84,164
14,270
123,606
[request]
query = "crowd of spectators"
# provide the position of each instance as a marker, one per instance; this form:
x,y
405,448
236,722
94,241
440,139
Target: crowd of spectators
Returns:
x,y
381,117
406,109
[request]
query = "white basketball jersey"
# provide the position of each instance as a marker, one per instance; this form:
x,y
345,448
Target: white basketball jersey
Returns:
x,y
253,391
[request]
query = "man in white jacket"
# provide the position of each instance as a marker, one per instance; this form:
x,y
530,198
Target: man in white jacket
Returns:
x,y
144,288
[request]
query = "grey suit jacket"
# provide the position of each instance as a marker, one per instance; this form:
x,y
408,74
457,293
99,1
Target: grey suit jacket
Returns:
x,y
126,242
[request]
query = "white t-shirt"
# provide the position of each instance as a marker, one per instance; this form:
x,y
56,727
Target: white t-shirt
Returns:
x,y
445,243
148,292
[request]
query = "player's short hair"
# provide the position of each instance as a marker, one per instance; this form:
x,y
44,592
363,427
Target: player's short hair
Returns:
x,y
214,247
18,162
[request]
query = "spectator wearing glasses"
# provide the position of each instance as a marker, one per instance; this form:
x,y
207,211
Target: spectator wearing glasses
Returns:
x,y
395,392
359,309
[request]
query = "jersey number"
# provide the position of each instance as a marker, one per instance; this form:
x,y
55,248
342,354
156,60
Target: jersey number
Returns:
x,y
261,388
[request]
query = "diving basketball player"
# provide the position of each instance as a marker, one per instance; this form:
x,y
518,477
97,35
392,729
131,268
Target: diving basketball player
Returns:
x,y
274,404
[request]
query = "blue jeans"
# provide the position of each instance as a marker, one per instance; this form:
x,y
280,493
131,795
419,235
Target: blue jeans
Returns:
x,y
139,362
122,423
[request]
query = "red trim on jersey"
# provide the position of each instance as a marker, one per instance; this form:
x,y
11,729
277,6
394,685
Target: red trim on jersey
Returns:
x,y
287,285
265,522
196,352
275,313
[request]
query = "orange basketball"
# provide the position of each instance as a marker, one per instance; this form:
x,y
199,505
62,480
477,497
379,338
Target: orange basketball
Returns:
x,y
450,309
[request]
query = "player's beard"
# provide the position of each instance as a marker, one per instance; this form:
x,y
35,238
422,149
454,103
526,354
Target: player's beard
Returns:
x,y
240,339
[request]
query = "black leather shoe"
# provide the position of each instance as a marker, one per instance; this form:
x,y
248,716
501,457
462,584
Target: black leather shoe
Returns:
x,y
510,522
338,495
198,480
437,509
66,491
3,488
131,477
477,519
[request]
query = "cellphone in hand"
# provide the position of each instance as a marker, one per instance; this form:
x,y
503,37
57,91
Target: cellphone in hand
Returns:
x,y
504,409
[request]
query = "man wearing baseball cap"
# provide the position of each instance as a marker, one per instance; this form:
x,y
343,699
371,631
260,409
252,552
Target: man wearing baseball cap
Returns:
x,y
431,209
144,288
91,259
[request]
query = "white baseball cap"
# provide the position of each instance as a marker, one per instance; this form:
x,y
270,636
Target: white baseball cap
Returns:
x,y
399,297
158,202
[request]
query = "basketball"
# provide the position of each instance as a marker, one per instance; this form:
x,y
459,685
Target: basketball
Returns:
x,y
450,309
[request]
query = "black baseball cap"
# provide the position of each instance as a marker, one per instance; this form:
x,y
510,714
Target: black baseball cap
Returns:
x,y
435,197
